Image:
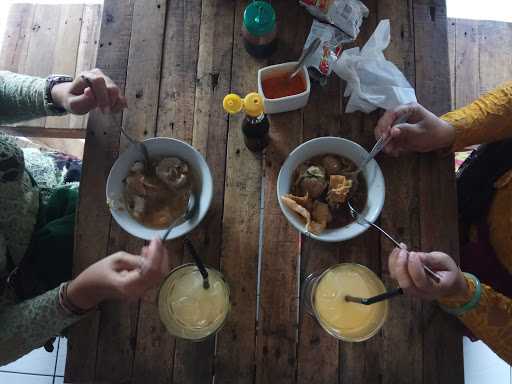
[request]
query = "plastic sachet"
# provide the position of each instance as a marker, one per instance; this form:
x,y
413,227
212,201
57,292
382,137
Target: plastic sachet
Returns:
x,y
347,15
330,49
373,81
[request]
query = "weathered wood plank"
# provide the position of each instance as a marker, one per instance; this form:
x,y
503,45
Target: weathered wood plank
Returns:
x,y
66,50
495,54
87,50
318,352
101,150
401,335
452,55
191,362
119,321
178,85
139,120
39,62
57,133
442,349
467,84
17,35
362,361
276,343
234,361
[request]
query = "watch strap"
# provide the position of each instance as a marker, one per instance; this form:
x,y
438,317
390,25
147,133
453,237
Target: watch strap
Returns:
x,y
51,81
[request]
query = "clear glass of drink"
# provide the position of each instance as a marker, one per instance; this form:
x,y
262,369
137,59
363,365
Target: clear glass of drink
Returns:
x,y
323,297
187,309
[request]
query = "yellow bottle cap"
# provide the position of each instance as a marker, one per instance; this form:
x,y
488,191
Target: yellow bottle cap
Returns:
x,y
252,104
232,103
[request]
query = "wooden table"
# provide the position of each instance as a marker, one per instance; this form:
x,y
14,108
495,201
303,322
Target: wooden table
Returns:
x,y
176,60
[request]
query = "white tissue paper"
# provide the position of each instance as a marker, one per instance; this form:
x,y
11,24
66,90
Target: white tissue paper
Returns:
x,y
373,81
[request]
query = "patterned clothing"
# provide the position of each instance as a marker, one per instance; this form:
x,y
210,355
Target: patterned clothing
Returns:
x,y
489,119
24,179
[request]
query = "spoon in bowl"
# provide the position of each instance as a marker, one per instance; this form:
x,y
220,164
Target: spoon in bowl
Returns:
x,y
305,54
140,145
189,213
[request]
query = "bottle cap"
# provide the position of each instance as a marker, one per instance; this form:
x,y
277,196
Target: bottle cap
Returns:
x,y
259,18
232,103
252,104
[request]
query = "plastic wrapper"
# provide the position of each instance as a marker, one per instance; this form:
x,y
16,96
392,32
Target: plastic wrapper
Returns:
x,y
373,81
347,15
330,49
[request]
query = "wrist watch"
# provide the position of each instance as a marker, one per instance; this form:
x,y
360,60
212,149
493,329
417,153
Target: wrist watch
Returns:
x,y
52,81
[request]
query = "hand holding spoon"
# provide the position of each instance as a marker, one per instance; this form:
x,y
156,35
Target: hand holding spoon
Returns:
x,y
361,220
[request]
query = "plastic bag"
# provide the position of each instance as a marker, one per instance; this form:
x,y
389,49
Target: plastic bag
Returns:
x,y
330,49
373,81
347,15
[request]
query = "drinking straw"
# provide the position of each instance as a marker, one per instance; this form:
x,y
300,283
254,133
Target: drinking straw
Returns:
x,y
375,299
199,263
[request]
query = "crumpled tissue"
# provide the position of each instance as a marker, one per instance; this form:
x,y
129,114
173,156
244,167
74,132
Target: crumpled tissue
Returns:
x,y
373,81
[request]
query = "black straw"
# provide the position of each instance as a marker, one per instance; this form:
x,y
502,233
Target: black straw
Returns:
x,y
375,299
199,263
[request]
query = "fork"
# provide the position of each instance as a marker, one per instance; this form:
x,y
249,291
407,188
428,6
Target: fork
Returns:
x,y
379,146
361,220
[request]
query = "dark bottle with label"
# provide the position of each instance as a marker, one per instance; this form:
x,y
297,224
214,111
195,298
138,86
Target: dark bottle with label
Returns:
x,y
259,29
255,126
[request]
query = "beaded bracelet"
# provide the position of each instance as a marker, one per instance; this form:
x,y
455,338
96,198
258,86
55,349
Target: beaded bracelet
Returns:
x,y
67,305
472,303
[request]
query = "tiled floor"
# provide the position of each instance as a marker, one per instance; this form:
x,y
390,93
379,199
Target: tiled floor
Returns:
x,y
38,367
481,366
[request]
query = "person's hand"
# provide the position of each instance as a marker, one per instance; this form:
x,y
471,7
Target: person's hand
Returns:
x,y
407,268
423,131
91,89
120,276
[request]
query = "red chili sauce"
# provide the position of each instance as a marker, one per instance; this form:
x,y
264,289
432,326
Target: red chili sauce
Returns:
x,y
277,86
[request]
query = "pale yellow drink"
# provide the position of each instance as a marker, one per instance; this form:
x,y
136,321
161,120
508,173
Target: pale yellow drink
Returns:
x,y
346,320
187,309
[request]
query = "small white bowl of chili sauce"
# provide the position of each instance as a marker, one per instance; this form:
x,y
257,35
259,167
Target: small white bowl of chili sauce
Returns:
x,y
280,93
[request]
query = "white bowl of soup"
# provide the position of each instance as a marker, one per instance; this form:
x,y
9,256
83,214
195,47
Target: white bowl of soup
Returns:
x,y
316,180
145,205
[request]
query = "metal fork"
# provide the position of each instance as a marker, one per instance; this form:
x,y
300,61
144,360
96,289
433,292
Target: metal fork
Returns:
x,y
361,220
379,146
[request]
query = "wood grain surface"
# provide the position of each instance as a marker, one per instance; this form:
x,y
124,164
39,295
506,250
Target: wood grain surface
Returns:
x,y
178,59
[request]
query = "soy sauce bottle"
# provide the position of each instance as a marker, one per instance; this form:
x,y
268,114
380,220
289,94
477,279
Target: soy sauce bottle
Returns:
x,y
255,126
259,29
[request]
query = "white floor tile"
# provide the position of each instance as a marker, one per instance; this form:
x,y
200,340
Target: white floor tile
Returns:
x,y
37,362
58,380
61,356
483,366
20,378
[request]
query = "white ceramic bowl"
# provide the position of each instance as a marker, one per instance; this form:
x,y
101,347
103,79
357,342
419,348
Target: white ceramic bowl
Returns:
x,y
159,146
342,147
288,103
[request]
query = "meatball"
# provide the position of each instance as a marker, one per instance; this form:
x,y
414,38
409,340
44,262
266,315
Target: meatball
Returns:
x,y
332,165
173,172
313,182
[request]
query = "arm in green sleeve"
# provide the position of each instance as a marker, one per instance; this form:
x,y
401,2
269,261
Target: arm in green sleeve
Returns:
x,y
22,98
29,324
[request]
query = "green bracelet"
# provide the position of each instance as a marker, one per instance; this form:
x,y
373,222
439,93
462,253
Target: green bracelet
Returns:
x,y
472,303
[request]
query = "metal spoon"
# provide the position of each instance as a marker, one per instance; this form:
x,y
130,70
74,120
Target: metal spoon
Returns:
x,y
190,212
378,147
148,170
305,54
361,220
